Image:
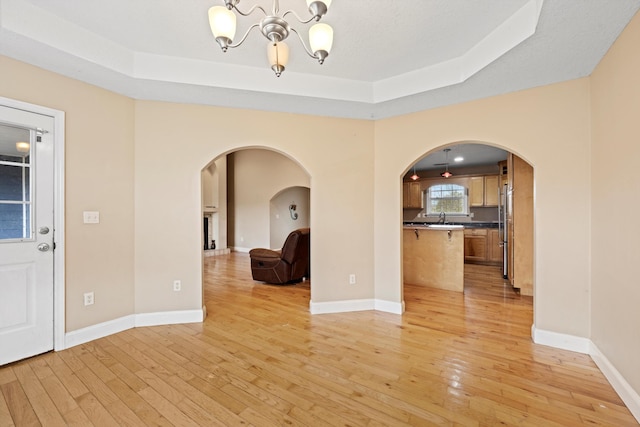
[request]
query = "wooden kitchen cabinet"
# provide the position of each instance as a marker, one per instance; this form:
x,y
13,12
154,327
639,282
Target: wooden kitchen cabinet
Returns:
x,y
519,225
491,190
483,190
475,244
494,249
482,246
412,195
476,191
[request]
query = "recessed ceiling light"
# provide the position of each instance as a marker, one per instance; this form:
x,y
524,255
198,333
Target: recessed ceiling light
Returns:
x,y
458,159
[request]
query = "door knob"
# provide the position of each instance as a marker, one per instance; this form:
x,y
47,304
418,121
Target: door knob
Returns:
x,y
43,247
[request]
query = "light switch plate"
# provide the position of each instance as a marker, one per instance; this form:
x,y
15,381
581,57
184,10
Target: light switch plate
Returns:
x,y
91,217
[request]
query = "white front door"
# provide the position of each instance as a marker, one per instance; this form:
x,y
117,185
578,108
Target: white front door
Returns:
x,y
26,234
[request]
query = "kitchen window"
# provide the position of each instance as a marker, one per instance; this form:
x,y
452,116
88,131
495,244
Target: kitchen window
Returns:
x,y
448,198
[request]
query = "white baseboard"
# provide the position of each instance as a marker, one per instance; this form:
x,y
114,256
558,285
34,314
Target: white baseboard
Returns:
x,y
562,341
240,249
389,306
169,317
629,396
216,252
341,306
93,332
101,330
355,305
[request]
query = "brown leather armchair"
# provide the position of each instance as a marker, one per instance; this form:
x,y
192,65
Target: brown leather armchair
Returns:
x,y
285,266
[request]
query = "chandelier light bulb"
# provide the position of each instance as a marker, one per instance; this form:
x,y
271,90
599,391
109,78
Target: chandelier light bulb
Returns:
x,y
278,54
223,25
321,40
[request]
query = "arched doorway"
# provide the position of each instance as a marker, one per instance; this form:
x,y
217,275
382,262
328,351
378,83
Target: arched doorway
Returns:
x,y
242,191
471,185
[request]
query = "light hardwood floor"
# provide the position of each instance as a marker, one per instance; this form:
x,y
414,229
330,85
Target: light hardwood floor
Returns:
x,y
260,358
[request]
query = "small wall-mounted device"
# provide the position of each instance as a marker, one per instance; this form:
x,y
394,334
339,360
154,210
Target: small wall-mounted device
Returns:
x,y
292,211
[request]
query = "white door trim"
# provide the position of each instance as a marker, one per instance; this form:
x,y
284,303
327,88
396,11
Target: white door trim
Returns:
x,y
58,214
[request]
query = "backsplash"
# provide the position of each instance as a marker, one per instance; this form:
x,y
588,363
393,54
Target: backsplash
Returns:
x,y
480,214
485,214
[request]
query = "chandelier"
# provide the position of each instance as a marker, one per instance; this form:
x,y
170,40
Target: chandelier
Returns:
x,y
274,28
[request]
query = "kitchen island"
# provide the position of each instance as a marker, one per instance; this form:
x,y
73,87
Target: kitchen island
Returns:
x,y
433,256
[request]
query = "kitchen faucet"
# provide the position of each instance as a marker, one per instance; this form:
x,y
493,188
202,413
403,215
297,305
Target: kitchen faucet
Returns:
x,y
442,218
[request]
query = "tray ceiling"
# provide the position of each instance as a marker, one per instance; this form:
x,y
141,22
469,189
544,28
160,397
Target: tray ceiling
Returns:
x,y
389,58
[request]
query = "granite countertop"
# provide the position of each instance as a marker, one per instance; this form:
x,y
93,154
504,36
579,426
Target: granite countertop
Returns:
x,y
473,224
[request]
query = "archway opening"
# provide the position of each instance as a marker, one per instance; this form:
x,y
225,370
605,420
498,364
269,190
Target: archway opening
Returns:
x,y
249,197
481,197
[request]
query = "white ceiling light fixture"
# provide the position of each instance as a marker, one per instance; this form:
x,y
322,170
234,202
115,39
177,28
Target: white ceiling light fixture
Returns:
x,y
276,29
23,147
458,159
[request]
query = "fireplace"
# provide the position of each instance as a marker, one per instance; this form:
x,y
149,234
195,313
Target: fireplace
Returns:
x,y
210,235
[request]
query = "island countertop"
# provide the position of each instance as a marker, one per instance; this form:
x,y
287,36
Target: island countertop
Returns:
x,y
476,224
434,257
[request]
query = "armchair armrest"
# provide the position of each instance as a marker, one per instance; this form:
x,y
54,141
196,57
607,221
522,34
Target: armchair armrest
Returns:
x,y
264,254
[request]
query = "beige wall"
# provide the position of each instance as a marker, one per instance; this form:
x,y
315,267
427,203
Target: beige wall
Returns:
x,y
99,177
174,142
548,127
615,299
214,196
257,176
209,186
281,222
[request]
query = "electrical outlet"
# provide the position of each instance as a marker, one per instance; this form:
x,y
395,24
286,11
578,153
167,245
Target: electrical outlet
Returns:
x,y
88,298
91,217
352,279
177,285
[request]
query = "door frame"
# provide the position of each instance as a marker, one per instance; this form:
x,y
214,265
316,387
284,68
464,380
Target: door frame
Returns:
x,y
58,213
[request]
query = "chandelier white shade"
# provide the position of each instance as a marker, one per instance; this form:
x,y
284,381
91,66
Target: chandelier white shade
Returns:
x,y
222,22
321,40
278,55
275,29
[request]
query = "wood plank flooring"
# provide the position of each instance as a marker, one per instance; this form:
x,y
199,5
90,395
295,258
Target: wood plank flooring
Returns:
x,y
261,359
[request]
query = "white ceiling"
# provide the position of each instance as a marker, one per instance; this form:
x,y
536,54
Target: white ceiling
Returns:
x,y
389,58
473,154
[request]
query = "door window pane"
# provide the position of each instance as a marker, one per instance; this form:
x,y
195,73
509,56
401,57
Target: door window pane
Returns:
x,y
15,183
15,221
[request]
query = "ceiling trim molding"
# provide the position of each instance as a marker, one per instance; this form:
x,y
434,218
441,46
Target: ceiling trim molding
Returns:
x,y
513,31
52,32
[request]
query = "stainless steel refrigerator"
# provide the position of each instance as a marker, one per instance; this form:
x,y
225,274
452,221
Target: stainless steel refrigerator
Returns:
x,y
504,218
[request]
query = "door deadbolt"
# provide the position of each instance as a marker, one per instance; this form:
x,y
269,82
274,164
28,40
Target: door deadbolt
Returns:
x,y
43,230
43,247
